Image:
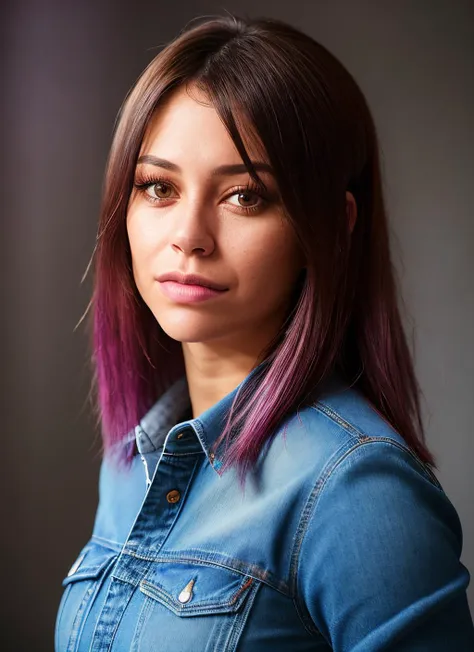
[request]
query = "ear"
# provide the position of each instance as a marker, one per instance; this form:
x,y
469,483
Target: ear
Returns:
x,y
351,210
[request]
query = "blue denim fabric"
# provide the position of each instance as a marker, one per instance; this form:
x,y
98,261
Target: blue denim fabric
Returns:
x,y
343,540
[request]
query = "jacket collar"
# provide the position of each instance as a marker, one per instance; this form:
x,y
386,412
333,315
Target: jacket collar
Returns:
x,y
170,415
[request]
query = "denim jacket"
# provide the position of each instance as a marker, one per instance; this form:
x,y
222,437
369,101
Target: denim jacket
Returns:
x,y
342,540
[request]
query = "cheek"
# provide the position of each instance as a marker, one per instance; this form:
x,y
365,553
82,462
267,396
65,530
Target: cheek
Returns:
x,y
272,256
142,242
135,244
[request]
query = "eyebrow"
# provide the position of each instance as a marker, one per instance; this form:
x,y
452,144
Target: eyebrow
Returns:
x,y
238,168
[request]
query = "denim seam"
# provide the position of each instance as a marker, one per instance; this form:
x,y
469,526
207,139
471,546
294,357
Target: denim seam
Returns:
x,y
361,436
131,528
142,621
320,406
429,475
308,508
79,618
157,592
311,506
174,518
235,633
305,517
86,605
351,429
201,562
305,619
87,571
101,628
199,431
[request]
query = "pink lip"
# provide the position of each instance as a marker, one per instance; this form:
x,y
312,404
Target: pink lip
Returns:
x,y
187,293
190,279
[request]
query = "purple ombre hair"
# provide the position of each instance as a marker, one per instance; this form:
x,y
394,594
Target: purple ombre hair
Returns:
x,y
272,83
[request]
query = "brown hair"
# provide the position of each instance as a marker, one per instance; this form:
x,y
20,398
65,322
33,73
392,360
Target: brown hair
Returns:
x,y
314,124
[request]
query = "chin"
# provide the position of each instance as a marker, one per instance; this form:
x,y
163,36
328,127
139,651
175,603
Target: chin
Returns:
x,y
190,329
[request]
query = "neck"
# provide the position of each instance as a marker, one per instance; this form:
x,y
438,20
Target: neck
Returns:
x,y
213,372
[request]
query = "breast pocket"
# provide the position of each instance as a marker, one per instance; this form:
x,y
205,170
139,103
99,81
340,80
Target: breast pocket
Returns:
x,y
80,588
194,606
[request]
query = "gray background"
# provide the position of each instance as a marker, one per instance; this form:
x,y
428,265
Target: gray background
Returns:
x,y
66,68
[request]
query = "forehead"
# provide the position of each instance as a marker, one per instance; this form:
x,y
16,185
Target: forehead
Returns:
x,y
186,121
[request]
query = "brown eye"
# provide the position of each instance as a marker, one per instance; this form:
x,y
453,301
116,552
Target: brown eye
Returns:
x,y
247,199
160,190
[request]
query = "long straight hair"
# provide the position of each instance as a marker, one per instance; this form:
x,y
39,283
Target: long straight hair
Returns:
x,y
265,78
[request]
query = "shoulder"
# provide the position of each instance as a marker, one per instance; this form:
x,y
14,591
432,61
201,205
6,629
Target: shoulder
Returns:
x,y
340,429
378,537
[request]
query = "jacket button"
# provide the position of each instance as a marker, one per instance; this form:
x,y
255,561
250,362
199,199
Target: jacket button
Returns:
x,y
173,496
187,593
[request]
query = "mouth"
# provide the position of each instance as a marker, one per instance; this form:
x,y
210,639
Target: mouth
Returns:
x,y
194,280
185,293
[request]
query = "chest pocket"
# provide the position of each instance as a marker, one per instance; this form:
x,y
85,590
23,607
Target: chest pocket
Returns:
x,y
81,585
193,606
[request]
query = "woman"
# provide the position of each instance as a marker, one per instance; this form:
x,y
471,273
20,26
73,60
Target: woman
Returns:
x,y
265,484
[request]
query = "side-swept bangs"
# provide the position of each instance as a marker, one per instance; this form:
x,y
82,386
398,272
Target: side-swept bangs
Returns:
x,y
278,90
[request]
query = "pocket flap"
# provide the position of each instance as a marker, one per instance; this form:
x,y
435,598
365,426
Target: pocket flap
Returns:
x,y
90,564
189,589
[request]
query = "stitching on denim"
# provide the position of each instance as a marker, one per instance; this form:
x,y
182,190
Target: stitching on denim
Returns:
x,y
362,437
142,620
244,586
305,517
308,508
421,465
145,543
160,593
311,506
256,574
320,406
236,565
106,628
201,435
135,520
90,571
235,632
85,607
305,618
79,618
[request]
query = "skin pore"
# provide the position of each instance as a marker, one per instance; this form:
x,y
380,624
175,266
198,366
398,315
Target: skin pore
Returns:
x,y
193,218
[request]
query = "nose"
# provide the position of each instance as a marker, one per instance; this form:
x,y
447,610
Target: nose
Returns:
x,y
192,235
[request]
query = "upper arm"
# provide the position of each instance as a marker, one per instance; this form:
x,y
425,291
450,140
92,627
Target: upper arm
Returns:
x,y
379,562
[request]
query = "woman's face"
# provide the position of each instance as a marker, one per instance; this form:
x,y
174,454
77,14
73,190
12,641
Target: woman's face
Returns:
x,y
190,213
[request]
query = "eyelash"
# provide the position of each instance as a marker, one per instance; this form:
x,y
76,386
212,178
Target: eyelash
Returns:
x,y
143,183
